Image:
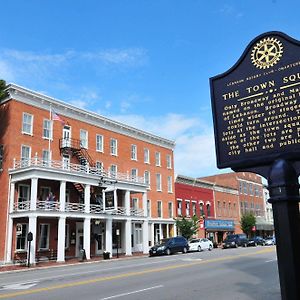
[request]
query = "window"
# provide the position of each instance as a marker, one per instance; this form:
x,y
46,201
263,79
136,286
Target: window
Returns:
x,y
251,189
241,187
208,209
245,188
219,208
170,184
229,210
179,207
242,207
66,161
146,156
44,193
99,142
23,194
27,123
113,170
134,174
113,147
170,210
157,159
169,162
44,236
194,208
256,191
1,156
201,209
224,209
133,152
99,165
25,155
47,130
21,239
147,177
159,209
234,210
158,182
83,138
135,203
148,208
46,157
187,208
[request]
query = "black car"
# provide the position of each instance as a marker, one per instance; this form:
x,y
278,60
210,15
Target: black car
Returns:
x,y
235,240
169,246
256,240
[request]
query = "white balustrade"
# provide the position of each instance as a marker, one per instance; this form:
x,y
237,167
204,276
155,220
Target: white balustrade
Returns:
x,y
23,205
96,209
48,205
136,212
75,207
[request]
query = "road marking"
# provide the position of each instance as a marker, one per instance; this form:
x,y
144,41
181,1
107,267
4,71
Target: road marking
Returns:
x,y
17,286
191,259
131,274
271,260
134,292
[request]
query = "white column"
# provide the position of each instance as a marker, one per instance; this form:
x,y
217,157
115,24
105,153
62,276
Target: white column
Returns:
x,y
174,229
87,197
32,229
127,202
128,250
145,204
152,233
12,197
115,199
145,237
9,239
61,232
108,236
103,200
168,235
161,234
33,193
87,237
62,196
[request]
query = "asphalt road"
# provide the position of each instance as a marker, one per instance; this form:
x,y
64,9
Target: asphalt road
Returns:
x,y
243,273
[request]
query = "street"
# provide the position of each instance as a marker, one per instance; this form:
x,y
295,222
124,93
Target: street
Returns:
x,y
242,273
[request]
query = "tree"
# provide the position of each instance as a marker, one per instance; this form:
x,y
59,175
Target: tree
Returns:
x,y
3,92
188,227
248,220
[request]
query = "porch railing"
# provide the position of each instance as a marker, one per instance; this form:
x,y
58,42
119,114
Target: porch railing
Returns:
x,y
63,165
21,206
47,205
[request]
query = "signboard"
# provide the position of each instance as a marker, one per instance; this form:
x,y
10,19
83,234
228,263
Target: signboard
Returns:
x,y
19,229
256,104
219,224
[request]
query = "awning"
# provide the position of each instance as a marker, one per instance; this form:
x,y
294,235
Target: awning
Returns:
x,y
219,225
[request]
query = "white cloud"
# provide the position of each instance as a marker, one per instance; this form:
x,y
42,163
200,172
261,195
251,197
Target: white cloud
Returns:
x,y
194,151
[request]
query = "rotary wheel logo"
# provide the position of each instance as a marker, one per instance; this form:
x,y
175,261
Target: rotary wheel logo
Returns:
x,y
266,53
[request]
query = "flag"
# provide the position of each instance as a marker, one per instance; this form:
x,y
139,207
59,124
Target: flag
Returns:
x,y
56,117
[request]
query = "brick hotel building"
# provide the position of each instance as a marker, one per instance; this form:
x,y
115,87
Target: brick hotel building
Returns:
x,y
77,180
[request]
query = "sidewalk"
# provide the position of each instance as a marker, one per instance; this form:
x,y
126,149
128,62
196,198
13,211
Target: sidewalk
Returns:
x,y
71,261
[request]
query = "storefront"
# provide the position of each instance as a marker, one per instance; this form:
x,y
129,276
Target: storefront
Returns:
x,y
215,229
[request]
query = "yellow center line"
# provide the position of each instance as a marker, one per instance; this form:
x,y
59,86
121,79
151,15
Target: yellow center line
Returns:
x,y
130,274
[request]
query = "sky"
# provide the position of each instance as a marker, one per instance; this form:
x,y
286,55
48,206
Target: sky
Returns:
x,y
145,63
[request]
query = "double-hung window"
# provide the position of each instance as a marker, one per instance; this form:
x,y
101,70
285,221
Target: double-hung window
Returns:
x,y
187,208
113,147
179,207
99,143
169,162
170,209
170,184
83,138
134,174
157,159
133,152
47,130
27,123
158,182
147,177
113,170
159,209
146,156
25,155
21,238
46,157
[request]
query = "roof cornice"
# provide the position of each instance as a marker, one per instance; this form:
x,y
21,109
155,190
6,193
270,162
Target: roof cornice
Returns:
x,y
36,99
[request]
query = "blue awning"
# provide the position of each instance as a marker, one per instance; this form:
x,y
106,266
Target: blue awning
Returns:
x,y
219,225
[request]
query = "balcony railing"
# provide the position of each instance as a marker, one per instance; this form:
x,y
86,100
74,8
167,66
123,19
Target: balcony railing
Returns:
x,y
75,207
77,168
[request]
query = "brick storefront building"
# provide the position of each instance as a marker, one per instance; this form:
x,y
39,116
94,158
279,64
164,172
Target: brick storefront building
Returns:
x,y
76,180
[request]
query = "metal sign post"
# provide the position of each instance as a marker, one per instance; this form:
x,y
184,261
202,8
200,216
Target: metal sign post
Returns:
x,y
256,111
118,235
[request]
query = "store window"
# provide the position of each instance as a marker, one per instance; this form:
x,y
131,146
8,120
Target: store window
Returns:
x,y
44,236
21,237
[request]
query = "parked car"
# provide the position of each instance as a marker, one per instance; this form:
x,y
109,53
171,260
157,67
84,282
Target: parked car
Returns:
x,y
169,246
235,240
269,241
256,240
200,244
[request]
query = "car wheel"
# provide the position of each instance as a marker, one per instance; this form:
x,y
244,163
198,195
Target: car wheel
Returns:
x,y
168,251
199,248
210,247
184,250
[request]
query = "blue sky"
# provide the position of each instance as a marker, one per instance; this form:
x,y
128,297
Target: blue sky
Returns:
x,y
144,63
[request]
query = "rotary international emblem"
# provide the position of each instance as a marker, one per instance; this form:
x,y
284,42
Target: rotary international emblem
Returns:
x,y
266,53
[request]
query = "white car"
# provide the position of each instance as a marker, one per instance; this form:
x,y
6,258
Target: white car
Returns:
x,y
200,244
269,241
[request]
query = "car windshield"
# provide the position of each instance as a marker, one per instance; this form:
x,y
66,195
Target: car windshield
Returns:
x,y
163,242
230,238
194,241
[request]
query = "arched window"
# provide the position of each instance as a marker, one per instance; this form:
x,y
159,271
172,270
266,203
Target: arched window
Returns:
x,y
208,209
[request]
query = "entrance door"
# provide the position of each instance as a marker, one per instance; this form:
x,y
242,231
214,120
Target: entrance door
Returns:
x,y
99,243
79,238
66,136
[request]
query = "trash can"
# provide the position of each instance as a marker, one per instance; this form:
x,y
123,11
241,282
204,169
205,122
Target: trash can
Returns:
x,y
106,255
82,255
